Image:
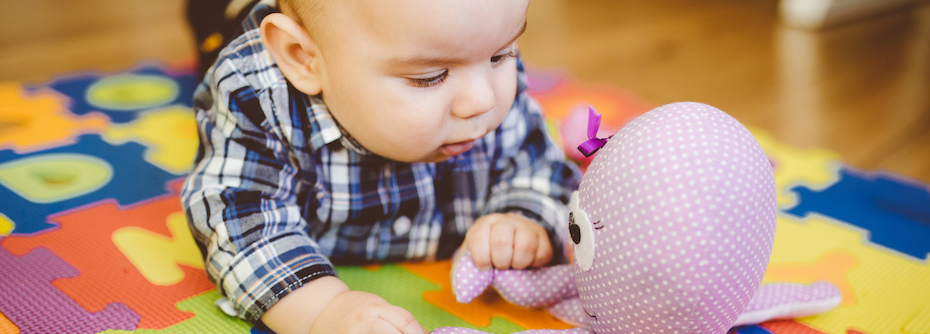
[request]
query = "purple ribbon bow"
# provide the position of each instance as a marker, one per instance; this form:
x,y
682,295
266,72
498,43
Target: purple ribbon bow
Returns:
x,y
590,146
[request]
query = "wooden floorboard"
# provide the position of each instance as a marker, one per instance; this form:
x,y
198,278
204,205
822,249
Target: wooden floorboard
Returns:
x,y
859,89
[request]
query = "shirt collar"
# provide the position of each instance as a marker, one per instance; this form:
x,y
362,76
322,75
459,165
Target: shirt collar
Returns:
x,y
325,129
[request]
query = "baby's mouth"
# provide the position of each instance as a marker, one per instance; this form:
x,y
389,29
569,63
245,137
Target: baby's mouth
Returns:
x,y
457,148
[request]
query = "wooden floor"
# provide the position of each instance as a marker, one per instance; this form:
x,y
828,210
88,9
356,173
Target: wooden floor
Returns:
x,y
862,89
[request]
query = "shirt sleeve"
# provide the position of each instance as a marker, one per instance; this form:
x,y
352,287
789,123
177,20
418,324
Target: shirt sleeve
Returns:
x,y
530,175
241,202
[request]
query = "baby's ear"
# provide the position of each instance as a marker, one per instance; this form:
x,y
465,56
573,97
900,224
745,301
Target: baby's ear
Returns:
x,y
294,51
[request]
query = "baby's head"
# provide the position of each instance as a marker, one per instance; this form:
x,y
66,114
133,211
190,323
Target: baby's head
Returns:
x,y
411,80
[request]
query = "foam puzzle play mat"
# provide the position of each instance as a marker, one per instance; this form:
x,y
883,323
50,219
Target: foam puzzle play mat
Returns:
x,y
93,237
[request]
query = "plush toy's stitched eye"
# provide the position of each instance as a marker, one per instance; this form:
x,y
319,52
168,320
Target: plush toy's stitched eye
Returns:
x,y
582,233
573,229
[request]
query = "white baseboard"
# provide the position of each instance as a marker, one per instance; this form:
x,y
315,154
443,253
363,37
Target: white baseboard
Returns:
x,y
816,14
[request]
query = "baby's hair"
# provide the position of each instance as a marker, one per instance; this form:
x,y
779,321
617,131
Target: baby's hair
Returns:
x,y
308,13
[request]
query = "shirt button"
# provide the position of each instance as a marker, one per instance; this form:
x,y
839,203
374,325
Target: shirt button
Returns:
x,y
402,225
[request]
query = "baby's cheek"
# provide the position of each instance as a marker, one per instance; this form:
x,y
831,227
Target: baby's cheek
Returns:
x,y
506,90
416,127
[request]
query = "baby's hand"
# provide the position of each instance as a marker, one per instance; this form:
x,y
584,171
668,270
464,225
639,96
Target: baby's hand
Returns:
x,y
508,240
363,312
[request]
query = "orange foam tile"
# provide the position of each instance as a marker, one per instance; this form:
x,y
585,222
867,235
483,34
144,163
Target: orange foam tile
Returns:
x,y
29,122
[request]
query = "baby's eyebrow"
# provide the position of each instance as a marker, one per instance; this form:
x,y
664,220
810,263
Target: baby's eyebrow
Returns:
x,y
515,36
436,61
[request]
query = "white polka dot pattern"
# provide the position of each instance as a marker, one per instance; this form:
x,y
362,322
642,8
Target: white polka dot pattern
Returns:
x,y
685,198
569,311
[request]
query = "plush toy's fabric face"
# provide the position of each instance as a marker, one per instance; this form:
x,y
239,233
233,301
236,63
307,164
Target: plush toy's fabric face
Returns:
x,y
673,224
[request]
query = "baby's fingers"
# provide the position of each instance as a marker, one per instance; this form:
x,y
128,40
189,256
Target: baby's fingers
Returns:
x,y
478,241
525,245
502,241
401,320
543,252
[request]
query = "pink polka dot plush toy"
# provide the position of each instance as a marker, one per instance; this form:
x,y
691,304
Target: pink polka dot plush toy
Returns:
x,y
671,232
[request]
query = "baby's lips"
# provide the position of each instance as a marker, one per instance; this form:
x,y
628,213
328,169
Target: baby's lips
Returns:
x,y
457,148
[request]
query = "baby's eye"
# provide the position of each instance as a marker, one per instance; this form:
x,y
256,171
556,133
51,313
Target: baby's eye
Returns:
x,y
497,59
429,82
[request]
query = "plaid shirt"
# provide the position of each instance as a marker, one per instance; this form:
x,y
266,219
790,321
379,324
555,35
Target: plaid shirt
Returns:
x,y
280,191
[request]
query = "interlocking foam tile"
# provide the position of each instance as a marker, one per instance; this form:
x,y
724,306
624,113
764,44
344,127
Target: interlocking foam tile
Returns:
x,y
121,242
35,306
207,319
749,330
68,177
789,327
170,135
541,81
920,324
894,211
853,331
7,326
122,96
560,93
883,290
40,119
402,288
832,266
813,168
565,101
6,225
157,256
85,240
482,311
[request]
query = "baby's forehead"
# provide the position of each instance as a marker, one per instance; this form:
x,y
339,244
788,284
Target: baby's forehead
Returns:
x,y
403,37
406,17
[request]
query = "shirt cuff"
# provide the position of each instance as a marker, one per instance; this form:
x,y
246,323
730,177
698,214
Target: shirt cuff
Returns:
x,y
270,268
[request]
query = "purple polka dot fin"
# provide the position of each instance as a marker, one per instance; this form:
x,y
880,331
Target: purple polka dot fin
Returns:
x,y
527,288
467,281
788,300
671,230
459,330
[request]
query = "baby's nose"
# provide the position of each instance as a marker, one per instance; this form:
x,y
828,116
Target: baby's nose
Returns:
x,y
476,98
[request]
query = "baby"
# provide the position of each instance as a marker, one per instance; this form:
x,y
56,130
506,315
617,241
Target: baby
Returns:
x,y
369,131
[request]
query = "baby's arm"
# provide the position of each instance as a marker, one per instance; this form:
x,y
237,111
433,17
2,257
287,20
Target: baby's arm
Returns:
x,y
531,177
241,203
326,305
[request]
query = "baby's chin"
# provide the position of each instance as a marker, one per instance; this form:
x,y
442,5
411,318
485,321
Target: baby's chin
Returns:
x,y
437,154
434,156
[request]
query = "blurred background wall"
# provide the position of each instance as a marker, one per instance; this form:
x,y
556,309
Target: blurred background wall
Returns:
x,y
856,84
